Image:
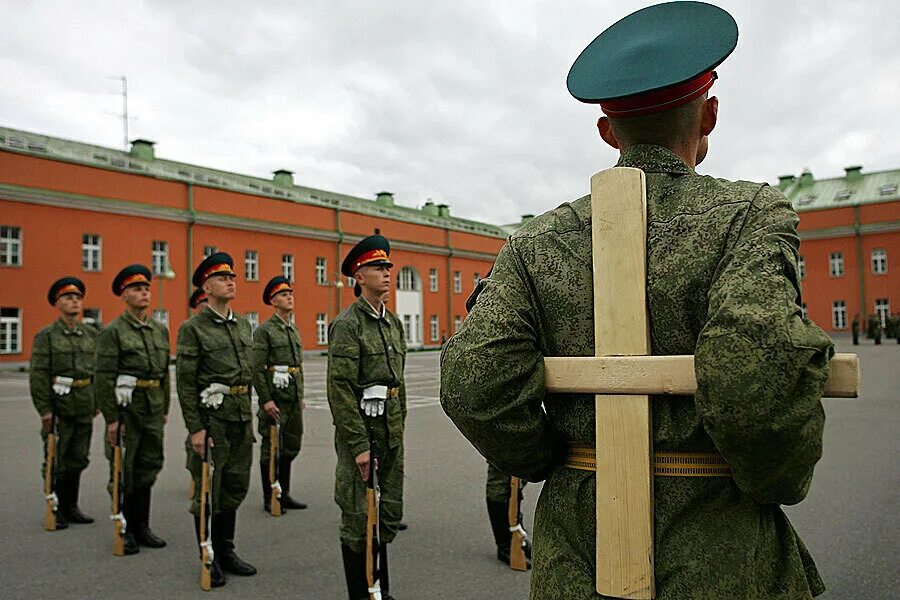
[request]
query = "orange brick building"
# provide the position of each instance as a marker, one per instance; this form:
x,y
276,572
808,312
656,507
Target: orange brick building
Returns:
x,y
68,208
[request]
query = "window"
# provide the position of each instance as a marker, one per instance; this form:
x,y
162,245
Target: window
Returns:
x,y
843,194
801,267
209,251
321,329
836,264
839,314
888,189
804,311
321,270
883,310
161,316
10,330
253,317
434,328
160,257
457,282
10,246
91,252
879,261
351,282
433,280
251,265
407,280
287,266
476,280
407,324
93,316
457,323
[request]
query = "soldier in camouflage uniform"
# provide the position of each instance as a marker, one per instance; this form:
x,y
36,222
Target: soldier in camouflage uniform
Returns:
x,y
213,375
366,391
874,328
722,284
197,302
278,379
133,373
62,363
854,329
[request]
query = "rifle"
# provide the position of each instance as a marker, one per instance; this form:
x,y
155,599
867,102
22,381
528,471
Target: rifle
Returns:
x,y
118,488
517,533
274,465
373,522
51,461
206,551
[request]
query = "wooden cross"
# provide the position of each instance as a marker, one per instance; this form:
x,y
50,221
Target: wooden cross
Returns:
x,y
623,376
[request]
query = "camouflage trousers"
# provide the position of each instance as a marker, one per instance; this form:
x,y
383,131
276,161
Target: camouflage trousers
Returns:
x,y
350,492
143,455
232,456
291,431
73,444
498,484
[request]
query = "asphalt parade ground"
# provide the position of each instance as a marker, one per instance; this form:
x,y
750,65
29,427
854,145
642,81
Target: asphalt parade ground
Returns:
x,y
849,520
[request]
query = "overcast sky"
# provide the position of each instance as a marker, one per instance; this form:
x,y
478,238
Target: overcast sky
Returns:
x,y
463,102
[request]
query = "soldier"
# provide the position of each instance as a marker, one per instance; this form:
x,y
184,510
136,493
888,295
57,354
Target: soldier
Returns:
x,y
62,362
722,284
133,373
854,328
278,379
366,392
197,301
213,375
498,495
875,328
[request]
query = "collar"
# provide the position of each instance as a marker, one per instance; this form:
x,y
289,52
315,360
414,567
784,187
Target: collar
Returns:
x,y
654,159
134,322
282,322
370,310
217,318
77,330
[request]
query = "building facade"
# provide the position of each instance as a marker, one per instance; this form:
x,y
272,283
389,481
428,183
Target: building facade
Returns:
x,y
68,208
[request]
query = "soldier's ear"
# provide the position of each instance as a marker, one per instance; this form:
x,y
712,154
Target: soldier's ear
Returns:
x,y
606,132
709,116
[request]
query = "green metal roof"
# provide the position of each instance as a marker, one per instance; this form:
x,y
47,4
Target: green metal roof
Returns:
x,y
854,188
141,161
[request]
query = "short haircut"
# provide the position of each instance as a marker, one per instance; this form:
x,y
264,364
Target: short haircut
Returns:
x,y
668,128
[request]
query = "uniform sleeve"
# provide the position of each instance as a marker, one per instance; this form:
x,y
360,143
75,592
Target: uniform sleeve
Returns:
x,y
39,374
187,359
105,372
343,391
761,368
258,358
492,377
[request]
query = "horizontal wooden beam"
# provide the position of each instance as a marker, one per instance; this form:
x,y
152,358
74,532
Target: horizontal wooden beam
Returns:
x,y
672,375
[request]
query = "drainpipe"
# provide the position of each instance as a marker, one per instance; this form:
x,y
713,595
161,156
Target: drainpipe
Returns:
x,y
192,217
860,265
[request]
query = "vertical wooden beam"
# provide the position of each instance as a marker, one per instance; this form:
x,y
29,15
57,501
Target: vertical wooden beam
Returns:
x,y
623,423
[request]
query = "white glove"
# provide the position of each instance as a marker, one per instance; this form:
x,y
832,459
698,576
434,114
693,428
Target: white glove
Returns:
x,y
214,395
62,385
124,389
372,403
281,378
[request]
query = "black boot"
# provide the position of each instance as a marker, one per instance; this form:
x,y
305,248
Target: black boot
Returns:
x,y
223,544
131,511
499,516
216,576
142,532
284,477
267,489
73,513
355,573
384,575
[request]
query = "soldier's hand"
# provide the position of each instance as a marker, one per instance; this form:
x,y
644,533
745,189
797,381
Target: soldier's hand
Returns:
x,y
45,422
303,404
362,463
111,432
198,440
272,410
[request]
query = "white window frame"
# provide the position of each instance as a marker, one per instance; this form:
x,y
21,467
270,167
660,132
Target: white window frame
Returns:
x,y
407,326
883,310
253,317
839,314
836,264
879,261
435,328
804,311
209,251
159,256
406,280
98,320
11,330
251,265
801,267
351,282
476,279
287,266
322,329
161,316
10,246
91,252
321,270
457,323
457,282
433,280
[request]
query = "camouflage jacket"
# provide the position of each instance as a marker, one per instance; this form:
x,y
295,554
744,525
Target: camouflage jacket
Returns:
x,y
60,351
213,350
722,284
365,349
277,343
129,347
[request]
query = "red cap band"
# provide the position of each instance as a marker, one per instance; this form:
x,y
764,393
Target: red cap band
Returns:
x,y
216,269
67,289
132,279
278,289
659,100
369,257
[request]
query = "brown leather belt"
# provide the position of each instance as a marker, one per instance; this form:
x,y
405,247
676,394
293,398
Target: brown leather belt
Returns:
x,y
290,369
665,464
237,390
80,383
393,393
148,383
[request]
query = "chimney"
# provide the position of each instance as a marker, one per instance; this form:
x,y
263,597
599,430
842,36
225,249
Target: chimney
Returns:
x,y
142,149
430,208
385,198
443,210
785,181
806,178
853,173
526,218
283,177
